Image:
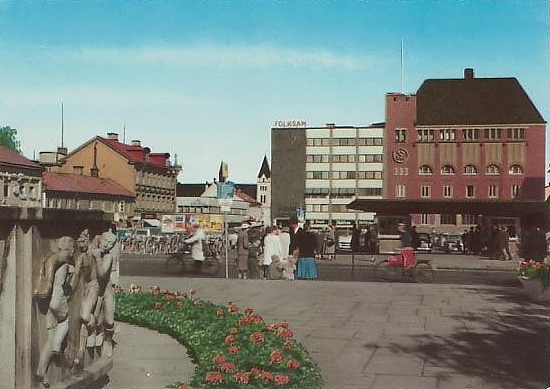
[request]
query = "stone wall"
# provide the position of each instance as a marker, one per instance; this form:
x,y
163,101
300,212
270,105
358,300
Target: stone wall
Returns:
x,y
29,323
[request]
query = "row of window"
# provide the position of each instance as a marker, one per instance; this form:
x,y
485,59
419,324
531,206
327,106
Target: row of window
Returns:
x,y
208,210
342,192
448,192
345,175
340,208
471,170
325,158
344,142
450,219
83,204
467,134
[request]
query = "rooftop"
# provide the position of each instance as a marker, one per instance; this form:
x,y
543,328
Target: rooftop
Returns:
x,y
78,183
10,157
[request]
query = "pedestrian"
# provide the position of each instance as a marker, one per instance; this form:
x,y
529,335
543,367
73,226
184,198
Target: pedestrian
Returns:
x,y
405,237
285,241
372,240
465,242
415,239
243,243
471,234
355,238
273,250
493,242
330,242
254,260
306,246
295,230
504,243
196,241
476,241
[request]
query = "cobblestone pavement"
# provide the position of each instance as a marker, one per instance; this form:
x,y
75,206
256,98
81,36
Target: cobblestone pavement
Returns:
x,y
398,335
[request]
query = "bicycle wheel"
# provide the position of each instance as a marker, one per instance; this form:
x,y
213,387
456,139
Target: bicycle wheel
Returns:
x,y
383,271
423,273
174,265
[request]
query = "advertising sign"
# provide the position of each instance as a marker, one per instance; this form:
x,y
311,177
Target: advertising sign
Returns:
x,y
226,190
208,222
173,223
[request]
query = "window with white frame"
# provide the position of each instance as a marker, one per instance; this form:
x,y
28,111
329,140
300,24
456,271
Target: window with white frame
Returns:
x,y
425,170
447,134
492,170
470,134
516,191
425,191
470,170
468,218
516,133
516,170
426,135
317,158
493,191
401,135
424,218
400,191
493,133
447,170
448,218
447,191
470,192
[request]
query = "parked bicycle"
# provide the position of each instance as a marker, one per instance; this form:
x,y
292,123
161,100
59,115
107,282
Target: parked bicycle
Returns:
x,y
405,265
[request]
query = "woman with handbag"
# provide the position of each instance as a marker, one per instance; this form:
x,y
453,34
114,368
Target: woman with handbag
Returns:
x,y
330,242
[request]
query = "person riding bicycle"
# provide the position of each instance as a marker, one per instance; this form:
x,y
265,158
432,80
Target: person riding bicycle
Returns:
x,y
196,241
406,256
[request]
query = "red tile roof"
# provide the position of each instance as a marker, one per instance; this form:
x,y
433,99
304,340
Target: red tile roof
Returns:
x,y
8,156
78,183
136,153
246,197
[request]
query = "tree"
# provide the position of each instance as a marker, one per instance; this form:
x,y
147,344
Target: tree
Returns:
x,y
8,137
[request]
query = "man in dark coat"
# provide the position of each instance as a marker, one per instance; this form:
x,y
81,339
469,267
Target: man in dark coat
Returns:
x,y
355,238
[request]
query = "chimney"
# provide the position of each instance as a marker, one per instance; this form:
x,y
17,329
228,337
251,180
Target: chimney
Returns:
x,y
468,74
112,136
78,169
62,150
136,143
330,125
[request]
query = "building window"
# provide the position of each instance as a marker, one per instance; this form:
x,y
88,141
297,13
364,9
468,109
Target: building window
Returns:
x,y
516,170
6,189
317,175
493,191
447,191
425,170
468,218
349,158
317,158
343,141
424,218
425,191
370,142
516,191
470,170
492,170
425,135
493,133
470,193
121,207
516,133
447,170
370,158
449,219
470,134
447,134
400,191
369,192
370,175
317,142
401,135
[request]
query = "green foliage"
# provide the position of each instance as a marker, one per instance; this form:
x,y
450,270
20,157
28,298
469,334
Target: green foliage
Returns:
x,y
221,338
535,270
8,137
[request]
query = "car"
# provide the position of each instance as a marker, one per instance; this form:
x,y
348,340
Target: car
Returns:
x,y
453,244
425,245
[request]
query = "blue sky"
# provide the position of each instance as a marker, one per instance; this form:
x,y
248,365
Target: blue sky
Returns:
x,y
207,79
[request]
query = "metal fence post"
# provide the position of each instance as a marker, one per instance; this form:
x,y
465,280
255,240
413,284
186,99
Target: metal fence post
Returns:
x,y
353,265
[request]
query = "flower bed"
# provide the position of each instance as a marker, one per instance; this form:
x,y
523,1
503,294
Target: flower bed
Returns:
x,y
230,349
535,270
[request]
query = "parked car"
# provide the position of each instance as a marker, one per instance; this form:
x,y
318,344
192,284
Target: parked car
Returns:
x,y
453,244
425,243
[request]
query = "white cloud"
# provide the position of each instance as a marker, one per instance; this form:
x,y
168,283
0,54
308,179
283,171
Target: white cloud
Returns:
x,y
96,96
225,57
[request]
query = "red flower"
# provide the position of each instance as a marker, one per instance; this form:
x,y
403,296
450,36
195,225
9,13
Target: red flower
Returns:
x,y
218,359
256,319
244,320
184,387
293,364
281,379
233,330
233,349
214,377
180,304
242,377
197,302
135,288
276,356
229,339
233,308
288,344
286,333
256,372
220,312
169,296
257,337
227,367
267,375
155,289
248,311
158,304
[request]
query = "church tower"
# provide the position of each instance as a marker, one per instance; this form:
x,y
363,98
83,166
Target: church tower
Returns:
x,y
263,193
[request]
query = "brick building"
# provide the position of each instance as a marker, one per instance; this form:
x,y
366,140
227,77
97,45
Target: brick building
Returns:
x,y
465,139
150,177
20,180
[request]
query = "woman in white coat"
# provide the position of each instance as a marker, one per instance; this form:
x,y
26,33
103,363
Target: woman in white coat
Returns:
x,y
272,248
196,245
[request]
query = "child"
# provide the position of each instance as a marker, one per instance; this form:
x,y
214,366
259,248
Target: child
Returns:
x,y
288,266
275,269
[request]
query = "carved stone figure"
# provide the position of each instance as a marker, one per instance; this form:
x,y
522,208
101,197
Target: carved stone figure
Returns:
x,y
105,252
54,284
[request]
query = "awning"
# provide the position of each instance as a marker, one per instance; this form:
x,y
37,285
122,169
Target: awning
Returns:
x,y
151,223
512,208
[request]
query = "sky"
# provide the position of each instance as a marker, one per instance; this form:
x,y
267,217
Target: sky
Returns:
x,y
207,79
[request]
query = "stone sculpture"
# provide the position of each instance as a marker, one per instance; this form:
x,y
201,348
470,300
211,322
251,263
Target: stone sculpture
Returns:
x,y
54,284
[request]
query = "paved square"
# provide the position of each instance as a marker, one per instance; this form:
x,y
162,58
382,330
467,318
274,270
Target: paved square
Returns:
x,y
399,335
